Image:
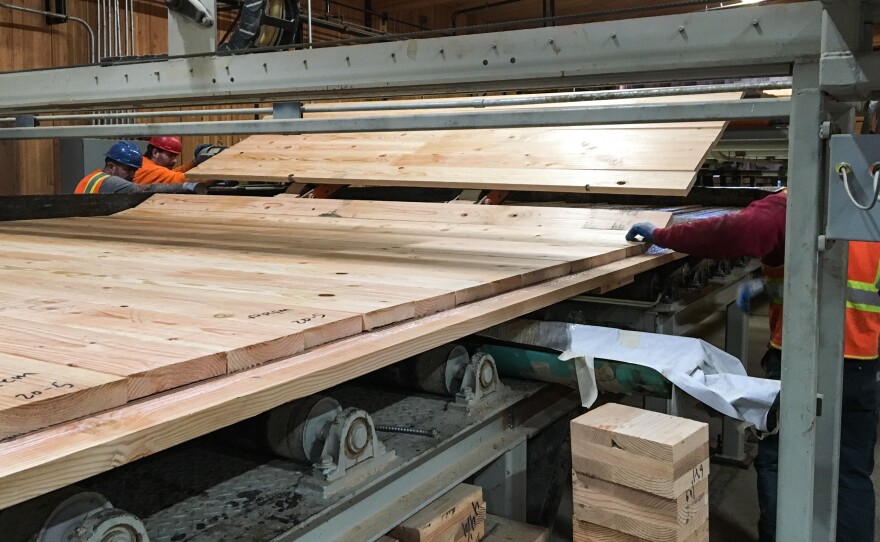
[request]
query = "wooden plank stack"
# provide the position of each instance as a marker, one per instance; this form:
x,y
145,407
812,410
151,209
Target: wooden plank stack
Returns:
x,y
457,516
97,312
659,159
639,476
499,529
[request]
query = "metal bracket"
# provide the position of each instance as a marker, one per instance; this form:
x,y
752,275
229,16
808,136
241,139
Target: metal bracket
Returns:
x,y
828,129
25,121
479,378
351,453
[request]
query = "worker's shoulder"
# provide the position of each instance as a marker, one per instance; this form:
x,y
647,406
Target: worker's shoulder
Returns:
x,y
113,184
774,202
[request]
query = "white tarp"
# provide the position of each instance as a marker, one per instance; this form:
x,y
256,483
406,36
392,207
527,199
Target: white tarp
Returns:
x,y
701,370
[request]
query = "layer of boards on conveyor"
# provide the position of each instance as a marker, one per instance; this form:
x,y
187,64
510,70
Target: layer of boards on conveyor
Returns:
x,y
654,159
110,312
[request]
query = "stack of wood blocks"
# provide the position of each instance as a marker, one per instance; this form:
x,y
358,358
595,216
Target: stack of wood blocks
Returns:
x,y
639,476
457,516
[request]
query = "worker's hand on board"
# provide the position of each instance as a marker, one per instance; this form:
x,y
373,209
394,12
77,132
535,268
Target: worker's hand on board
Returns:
x,y
746,291
205,151
645,230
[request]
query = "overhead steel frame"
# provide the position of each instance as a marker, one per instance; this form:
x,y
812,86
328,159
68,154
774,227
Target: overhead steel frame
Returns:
x,y
821,45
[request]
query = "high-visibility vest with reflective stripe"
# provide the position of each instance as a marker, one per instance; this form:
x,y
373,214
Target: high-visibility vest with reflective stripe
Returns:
x,y
91,183
862,323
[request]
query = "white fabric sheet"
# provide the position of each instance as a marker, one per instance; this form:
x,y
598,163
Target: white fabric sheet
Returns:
x,y
701,370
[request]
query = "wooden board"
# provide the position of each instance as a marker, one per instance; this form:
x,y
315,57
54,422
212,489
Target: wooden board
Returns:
x,y
640,513
35,464
182,289
457,516
648,451
589,532
35,394
499,529
659,159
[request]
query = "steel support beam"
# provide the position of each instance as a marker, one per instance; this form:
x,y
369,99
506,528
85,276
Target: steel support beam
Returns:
x,y
562,116
832,278
833,259
755,41
805,281
845,34
504,484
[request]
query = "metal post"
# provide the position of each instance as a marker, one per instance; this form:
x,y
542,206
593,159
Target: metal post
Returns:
x,y
832,269
832,265
803,285
504,484
736,343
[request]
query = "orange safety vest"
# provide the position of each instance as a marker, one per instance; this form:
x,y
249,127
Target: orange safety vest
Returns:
x,y
91,183
862,323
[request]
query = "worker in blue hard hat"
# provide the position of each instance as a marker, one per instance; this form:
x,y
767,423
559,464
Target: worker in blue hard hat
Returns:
x,y
120,164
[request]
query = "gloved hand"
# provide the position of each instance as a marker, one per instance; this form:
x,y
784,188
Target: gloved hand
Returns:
x,y
200,148
195,188
746,291
643,229
203,152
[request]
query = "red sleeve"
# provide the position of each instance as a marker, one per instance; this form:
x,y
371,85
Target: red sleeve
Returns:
x,y
758,231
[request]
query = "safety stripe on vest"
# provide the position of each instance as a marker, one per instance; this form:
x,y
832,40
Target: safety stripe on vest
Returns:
x,y
94,184
862,296
877,277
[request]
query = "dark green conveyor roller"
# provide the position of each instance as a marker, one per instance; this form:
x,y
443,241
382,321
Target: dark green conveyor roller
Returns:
x,y
611,376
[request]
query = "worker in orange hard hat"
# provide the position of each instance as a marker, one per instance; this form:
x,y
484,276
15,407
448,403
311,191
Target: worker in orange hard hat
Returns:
x,y
120,164
161,158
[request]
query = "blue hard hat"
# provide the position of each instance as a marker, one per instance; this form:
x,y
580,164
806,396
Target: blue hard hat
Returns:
x,y
126,154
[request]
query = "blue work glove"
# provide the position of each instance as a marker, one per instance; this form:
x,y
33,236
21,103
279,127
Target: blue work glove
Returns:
x,y
200,148
746,291
645,230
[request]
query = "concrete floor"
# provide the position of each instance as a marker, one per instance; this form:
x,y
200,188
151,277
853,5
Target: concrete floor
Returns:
x,y
733,514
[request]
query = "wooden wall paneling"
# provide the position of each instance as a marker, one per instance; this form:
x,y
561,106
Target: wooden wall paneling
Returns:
x,y
9,150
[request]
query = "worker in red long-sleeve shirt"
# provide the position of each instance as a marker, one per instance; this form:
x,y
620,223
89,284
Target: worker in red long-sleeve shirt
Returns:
x,y
758,231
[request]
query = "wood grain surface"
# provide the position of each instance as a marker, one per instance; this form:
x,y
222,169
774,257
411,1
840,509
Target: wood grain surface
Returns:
x,y
658,159
186,288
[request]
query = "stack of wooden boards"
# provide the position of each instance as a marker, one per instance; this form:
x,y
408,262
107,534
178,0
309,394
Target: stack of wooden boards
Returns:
x,y
457,516
100,311
460,516
639,476
660,159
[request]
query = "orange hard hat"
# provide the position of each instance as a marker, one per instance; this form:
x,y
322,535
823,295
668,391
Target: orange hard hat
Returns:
x,y
167,143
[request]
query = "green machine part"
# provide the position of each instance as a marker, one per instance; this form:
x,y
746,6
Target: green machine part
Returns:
x,y
611,376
